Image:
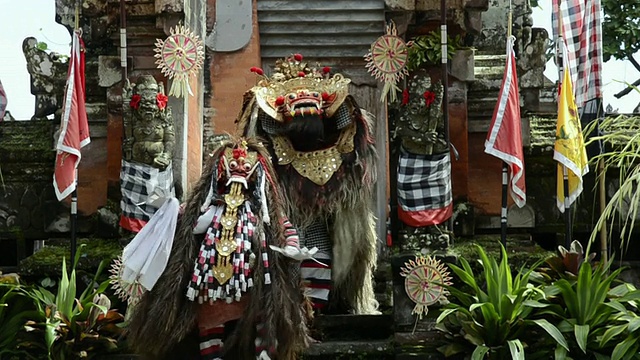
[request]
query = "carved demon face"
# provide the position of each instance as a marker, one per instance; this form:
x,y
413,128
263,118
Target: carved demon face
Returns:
x,y
239,164
297,89
303,103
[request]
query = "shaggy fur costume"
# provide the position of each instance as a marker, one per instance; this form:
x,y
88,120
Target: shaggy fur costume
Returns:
x,y
164,316
344,202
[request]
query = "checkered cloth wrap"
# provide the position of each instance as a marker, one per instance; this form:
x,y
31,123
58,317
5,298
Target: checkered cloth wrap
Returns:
x,y
582,33
137,182
272,127
424,181
316,235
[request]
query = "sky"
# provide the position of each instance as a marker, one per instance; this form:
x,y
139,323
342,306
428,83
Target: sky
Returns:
x,y
19,20
37,18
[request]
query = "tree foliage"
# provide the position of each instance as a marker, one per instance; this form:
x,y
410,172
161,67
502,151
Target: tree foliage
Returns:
x,y
620,28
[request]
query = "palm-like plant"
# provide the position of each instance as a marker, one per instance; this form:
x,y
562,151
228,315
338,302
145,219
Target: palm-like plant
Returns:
x,y
61,325
592,314
493,319
620,136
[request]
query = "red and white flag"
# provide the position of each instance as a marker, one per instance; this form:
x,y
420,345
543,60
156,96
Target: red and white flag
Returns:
x,y
504,139
3,102
74,128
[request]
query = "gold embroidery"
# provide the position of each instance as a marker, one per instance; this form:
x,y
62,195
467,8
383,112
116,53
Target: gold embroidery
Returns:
x,y
317,166
223,269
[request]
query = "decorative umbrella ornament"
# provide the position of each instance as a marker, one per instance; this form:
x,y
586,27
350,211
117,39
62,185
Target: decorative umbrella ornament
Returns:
x,y
424,283
180,56
387,61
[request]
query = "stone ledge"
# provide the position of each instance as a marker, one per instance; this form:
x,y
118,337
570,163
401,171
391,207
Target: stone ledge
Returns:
x,y
365,349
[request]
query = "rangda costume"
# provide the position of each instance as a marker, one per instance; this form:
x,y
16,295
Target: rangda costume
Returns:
x,y
222,269
322,147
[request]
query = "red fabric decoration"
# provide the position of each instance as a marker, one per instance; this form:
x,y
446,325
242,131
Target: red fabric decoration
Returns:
x,y
135,101
405,96
280,100
326,69
429,97
301,74
161,100
298,57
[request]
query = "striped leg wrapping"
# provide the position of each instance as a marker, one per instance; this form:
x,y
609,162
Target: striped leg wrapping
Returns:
x,y
317,279
211,343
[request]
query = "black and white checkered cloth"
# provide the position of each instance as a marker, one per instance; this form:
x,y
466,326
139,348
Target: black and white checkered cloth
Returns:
x,y
316,235
582,33
137,183
424,181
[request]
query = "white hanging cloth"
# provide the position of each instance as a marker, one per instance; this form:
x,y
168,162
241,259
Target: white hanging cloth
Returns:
x,y
146,256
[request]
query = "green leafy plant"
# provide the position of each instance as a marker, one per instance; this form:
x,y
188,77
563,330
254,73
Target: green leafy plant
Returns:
x,y
15,310
62,325
566,264
493,317
426,50
592,315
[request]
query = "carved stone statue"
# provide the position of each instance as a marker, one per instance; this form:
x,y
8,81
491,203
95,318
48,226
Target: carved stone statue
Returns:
x,y
420,124
148,124
146,177
48,76
424,165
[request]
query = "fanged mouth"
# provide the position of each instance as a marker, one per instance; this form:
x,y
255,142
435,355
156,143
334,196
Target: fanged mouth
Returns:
x,y
303,108
241,179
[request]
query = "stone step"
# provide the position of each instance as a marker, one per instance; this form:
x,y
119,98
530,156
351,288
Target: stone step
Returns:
x,y
346,350
492,60
352,327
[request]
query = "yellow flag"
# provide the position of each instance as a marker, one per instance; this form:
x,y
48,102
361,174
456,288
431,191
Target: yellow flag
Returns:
x,y
569,149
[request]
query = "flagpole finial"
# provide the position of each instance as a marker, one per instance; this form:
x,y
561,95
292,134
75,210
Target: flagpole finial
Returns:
x,y
77,17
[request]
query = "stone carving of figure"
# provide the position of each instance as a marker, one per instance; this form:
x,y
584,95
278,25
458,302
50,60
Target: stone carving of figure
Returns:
x,y
420,124
149,134
424,165
146,177
48,76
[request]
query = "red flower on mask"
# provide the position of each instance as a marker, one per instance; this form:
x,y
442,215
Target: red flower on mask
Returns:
x,y
161,100
429,97
135,101
405,97
238,153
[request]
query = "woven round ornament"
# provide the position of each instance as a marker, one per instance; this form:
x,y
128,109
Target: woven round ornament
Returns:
x,y
424,282
131,292
387,61
180,56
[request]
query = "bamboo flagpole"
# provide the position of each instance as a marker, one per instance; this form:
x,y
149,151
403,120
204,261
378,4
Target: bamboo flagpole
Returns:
x,y
568,226
504,139
74,131
505,166
123,40
444,50
569,148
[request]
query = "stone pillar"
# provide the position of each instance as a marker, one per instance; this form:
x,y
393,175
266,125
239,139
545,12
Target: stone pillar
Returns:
x,y
229,73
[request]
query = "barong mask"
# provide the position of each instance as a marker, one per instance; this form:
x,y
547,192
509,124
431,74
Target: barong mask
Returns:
x,y
297,90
